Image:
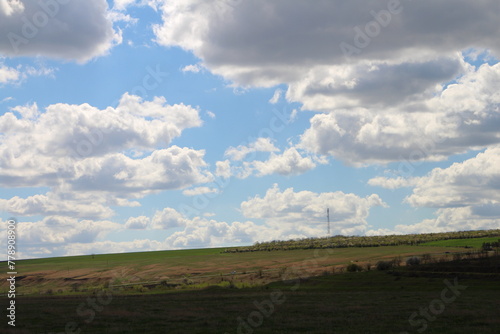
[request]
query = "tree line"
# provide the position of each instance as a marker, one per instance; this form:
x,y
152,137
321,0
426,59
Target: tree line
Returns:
x,y
340,241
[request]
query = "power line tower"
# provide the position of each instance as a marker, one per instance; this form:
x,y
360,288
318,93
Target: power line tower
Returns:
x,y
328,219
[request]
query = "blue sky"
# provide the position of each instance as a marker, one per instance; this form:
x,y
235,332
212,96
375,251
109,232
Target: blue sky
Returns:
x,y
164,124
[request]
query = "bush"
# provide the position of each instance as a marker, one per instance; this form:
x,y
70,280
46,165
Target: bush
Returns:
x,y
353,267
384,265
413,261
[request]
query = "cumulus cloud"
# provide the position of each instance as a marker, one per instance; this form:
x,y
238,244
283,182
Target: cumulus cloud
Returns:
x,y
288,162
462,116
201,232
53,231
38,147
466,195
392,183
259,145
15,76
171,168
8,74
86,155
306,209
53,204
223,169
137,223
263,44
481,217
475,181
168,218
34,28
409,84
199,191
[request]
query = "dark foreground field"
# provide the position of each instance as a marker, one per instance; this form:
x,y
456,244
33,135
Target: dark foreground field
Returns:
x,y
360,302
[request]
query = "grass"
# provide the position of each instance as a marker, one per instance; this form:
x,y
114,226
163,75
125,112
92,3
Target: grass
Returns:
x,y
475,242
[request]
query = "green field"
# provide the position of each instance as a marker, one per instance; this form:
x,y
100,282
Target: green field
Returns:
x,y
474,242
190,268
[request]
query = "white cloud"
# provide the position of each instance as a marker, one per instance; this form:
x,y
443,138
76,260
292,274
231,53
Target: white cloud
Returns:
x,y
8,74
259,145
191,68
201,232
168,218
38,145
462,116
473,182
10,7
34,29
122,5
482,217
393,183
199,191
55,231
166,169
53,204
466,195
223,169
304,212
83,155
137,223
276,97
290,162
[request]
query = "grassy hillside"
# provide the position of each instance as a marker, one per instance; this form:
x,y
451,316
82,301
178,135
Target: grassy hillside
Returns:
x,y
186,268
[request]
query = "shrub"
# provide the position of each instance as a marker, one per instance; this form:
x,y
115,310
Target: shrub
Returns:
x,y
384,265
413,261
353,267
